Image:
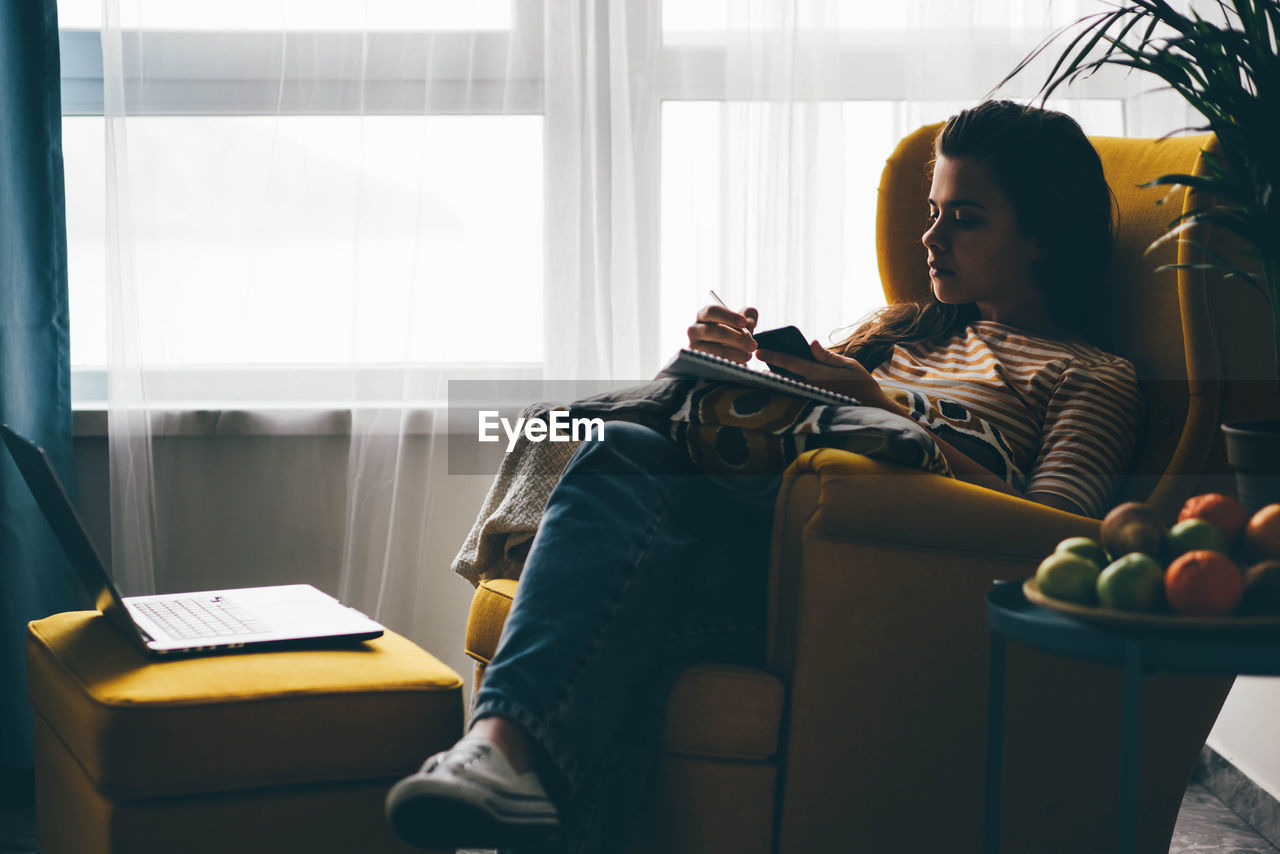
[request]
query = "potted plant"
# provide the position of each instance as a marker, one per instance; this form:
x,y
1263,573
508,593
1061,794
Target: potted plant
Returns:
x,y
1227,69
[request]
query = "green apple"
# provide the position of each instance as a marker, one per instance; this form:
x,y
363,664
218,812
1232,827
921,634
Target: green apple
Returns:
x,y
1085,548
1191,535
1070,577
1134,582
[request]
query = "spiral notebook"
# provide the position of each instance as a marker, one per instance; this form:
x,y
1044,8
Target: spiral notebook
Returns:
x,y
693,364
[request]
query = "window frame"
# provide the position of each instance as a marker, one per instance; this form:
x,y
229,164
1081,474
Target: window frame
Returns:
x,y
470,72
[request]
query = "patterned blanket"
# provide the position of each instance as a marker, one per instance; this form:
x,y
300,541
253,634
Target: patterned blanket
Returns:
x,y
742,437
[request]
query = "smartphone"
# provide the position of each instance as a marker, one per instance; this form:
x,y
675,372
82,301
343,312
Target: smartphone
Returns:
x,y
789,340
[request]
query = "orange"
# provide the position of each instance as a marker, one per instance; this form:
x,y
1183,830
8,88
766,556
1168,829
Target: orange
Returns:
x,y
1222,511
1262,533
1203,583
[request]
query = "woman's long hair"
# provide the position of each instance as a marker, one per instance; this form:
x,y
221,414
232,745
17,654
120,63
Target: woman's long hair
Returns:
x,y
1052,175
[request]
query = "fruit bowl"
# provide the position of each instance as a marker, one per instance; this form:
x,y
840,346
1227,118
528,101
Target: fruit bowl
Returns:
x,y
1164,621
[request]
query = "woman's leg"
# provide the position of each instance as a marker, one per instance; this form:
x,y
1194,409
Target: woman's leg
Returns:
x,y
614,557
630,538
594,642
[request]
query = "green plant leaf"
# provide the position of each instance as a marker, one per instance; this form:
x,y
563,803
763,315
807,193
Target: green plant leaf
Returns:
x,y
1246,229
1219,188
1053,37
1228,70
1215,268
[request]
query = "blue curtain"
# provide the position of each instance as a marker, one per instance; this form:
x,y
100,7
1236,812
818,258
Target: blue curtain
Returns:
x,y
35,373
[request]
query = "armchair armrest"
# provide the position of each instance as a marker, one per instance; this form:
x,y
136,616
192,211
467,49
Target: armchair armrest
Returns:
x,y
865,499
968,534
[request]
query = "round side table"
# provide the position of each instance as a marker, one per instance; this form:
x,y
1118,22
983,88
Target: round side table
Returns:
x,y
1138,651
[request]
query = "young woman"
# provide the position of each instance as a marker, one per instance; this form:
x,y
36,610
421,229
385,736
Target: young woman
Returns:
x,y
641,566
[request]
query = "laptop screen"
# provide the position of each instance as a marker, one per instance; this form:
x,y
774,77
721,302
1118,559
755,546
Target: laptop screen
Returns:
x,y
56,505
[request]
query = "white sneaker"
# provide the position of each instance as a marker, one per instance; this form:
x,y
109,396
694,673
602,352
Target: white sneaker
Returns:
x,y
469,796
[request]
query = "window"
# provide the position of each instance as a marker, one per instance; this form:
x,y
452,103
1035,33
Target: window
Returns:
x,y
311,184
261,235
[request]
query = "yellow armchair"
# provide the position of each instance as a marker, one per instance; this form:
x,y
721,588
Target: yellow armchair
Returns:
x,y
865,731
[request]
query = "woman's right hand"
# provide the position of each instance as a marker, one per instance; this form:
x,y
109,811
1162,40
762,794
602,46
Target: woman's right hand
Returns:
x,y
724,333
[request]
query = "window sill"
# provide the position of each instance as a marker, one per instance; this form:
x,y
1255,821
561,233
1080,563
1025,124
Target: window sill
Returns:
x,y
304,402
92,422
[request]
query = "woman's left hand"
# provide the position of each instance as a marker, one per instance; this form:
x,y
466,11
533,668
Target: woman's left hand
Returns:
x,y
832,372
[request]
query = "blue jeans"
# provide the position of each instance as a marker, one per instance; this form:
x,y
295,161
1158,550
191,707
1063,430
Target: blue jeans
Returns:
x,y
640,567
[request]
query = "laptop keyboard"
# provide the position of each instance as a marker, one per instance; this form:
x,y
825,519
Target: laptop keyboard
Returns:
x,y
199,617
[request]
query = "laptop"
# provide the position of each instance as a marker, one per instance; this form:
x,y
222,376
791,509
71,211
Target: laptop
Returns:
x,y
250,618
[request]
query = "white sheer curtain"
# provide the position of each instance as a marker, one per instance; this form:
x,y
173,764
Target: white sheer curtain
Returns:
x,y
602,137
318,214
133,528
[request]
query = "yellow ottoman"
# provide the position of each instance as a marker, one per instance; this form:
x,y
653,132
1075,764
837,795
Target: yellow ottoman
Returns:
x,y
272,751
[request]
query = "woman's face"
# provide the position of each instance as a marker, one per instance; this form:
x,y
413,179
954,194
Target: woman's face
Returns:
x,y
976,253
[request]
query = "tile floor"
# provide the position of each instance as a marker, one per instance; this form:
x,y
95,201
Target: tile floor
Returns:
x,y
1205,825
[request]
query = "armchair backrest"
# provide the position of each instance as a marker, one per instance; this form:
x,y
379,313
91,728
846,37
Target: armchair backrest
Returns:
x,y
1186,331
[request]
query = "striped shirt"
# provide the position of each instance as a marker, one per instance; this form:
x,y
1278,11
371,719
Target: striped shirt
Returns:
x,y
1069,412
